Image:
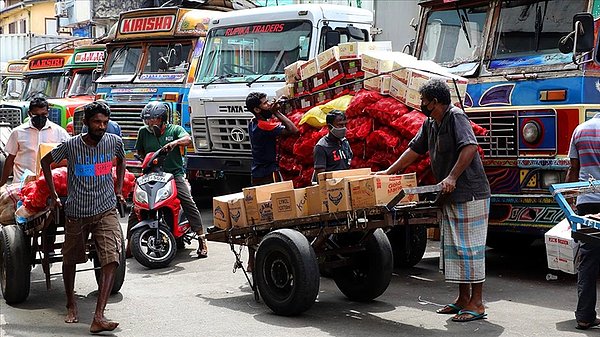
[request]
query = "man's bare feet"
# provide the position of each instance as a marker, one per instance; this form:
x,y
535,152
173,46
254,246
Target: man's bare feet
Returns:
x,y
72,314
100,325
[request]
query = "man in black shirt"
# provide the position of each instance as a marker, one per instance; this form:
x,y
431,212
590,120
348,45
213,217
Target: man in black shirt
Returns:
x,y
332,152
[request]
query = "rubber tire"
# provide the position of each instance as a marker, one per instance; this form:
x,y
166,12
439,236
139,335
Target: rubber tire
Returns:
x,y
405,257
15,264
146,261
291,249
119,272
371,273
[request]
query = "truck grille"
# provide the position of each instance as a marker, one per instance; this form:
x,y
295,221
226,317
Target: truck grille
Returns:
x,y
229,134
128,118
77,121
501,140
200,133
11,116
54,115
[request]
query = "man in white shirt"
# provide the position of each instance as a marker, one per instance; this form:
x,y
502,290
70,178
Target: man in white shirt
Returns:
x,y
24,141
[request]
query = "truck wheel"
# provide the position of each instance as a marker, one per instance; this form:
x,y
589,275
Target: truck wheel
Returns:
x,y
370,272
119,272
15,264
409,252
287,272
153,248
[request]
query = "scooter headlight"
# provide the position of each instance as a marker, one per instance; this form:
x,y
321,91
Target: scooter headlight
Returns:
x,y
140,195
164,193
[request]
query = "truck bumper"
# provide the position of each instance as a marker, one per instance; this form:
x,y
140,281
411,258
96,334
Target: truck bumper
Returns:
x,y
227,164
527,214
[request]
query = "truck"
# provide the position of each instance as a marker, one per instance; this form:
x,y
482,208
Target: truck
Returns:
x,y
247,51
528,94
152,55
12,85
85,63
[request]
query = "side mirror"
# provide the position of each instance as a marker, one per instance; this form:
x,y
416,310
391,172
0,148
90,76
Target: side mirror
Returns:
x,y
355,33
332,38
581,39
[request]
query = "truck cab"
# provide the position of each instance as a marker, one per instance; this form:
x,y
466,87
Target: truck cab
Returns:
x,y
247,51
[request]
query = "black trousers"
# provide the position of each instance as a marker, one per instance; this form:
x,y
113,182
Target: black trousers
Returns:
x,y
587,273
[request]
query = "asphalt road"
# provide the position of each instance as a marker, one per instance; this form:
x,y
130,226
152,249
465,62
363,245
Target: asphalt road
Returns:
x,y
204,298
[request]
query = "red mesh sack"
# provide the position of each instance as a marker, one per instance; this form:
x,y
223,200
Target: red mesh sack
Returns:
x,y
359,128
409,124
361,100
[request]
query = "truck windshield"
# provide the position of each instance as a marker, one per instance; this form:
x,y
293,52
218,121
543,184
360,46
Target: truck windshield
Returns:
x,y
52,85
532,28
242,53
12,88
123,60
168,58
82,84
455,36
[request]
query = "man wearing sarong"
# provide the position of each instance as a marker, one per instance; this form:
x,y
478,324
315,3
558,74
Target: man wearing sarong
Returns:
x,y
448,136
584,154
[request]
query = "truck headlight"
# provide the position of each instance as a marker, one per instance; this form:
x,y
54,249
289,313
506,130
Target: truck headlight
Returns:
x,y
202,143
164,193
140,195
531,132
549,178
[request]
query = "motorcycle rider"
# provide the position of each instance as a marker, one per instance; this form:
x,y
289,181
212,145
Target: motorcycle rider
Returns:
x,y
159,134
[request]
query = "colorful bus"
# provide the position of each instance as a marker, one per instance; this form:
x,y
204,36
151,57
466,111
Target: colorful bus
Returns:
x,y
12,85
152,56
528,94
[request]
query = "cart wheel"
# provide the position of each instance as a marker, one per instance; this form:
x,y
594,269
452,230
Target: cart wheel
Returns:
x,y
287,272
408,253
152,250
370,272
119,272
15,264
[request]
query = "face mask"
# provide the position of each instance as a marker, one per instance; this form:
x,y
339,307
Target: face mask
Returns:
x,y
425,110
38,121
266,114
339,133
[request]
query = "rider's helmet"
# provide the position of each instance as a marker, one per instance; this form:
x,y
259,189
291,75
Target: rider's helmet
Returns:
x,y
156,109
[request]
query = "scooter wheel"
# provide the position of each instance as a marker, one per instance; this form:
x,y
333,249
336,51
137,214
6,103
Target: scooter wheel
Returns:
x,y
153,247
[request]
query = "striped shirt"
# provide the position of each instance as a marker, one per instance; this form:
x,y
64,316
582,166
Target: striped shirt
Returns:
x,y
90,187
585,146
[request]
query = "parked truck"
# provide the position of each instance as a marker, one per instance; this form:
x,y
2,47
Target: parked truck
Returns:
x,y
12,85
247,51
528,94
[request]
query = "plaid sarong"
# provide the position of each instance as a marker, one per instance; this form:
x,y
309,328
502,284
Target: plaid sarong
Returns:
x,y
463,234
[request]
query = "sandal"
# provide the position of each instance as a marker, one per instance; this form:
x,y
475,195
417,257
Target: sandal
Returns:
x,y
202,249
585,326
449,309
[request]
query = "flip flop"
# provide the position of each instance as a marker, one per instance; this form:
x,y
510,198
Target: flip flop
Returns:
x,y
585,326
449,309
474,316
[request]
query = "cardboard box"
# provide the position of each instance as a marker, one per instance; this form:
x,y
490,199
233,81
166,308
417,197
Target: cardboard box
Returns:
x,y
324,176
256,198
354,87
322,97
301,88
334,73
292,72
318,82
287,91
313,196
413,99
339,89
380,190
290,204
328,57
237,211
561,249
338,194
378,83
43,150
305,103
308,69
351,50
265,211
418,78
221,215
352,68
398,90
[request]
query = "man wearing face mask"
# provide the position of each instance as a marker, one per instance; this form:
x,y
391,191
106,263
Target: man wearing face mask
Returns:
x,y
159,134
263,133
448,136
332,152
24,141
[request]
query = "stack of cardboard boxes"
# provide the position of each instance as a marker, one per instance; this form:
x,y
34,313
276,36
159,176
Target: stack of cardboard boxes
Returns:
x,y
337,191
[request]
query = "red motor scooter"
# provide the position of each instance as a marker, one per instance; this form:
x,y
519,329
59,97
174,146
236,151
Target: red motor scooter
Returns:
x,y
163,228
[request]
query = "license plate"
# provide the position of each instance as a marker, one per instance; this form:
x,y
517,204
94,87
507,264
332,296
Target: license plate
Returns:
x,y
152,177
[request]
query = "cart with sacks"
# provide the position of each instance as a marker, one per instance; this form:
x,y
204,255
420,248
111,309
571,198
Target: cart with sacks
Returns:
x,y
350,246
28,240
